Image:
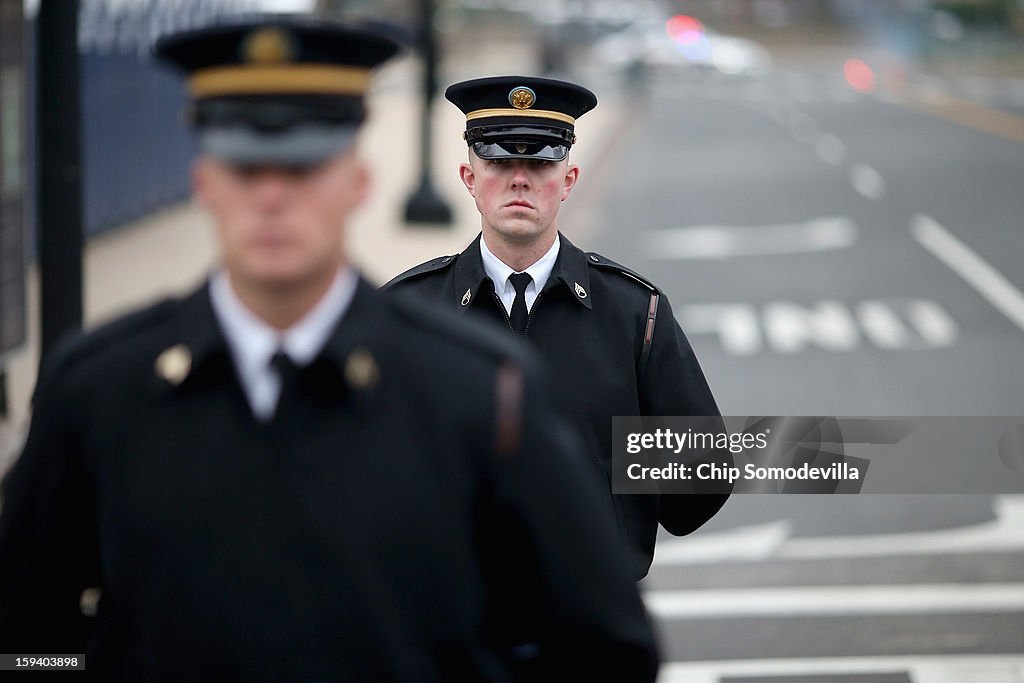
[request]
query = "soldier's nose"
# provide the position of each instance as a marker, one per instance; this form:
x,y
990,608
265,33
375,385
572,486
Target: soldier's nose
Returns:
x,y
270,189
520,180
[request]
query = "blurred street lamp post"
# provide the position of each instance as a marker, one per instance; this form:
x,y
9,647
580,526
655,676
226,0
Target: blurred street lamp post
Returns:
x,y
58,160
425,205
13,318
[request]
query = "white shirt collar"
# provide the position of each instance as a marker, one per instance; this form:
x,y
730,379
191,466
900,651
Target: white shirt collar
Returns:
x,y
253,342
499,272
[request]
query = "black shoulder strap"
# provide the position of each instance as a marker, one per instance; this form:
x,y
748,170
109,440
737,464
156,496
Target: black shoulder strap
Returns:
x,y
430,266
599,261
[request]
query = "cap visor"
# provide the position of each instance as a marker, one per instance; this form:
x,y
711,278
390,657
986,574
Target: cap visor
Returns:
x,y
302,145
520,150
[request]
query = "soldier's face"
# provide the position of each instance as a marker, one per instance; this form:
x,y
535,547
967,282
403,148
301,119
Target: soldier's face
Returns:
x,y
519,198
282,226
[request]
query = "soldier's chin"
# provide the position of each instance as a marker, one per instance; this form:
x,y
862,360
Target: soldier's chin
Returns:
x,y
277,274
519,230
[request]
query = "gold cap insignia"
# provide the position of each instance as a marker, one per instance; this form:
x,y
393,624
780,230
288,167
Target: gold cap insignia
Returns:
x,y
520,148
466,297
522,97
174,364
361,370
268,45
580,292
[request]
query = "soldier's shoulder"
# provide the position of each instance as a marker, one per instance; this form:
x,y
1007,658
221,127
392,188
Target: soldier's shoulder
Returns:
x,y
434,266
603,264
462,333
111,338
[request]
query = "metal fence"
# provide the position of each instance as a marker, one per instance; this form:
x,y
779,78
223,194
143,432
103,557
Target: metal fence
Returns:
x,y
135,151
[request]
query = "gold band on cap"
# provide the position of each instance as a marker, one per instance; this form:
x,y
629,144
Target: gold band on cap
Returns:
x,y
245,79
531,113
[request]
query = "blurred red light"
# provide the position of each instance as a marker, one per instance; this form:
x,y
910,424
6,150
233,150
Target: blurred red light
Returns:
x,y
684,29
859,75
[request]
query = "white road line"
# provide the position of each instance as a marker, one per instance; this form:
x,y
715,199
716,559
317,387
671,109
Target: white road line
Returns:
x,y
791,328
748,543
735,324
966,263
932,323
921,669
830,149
867,181
909,324
836,600
713,242
1004,534
881,325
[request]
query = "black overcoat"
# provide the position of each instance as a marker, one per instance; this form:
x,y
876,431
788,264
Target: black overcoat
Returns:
x,y
611,346
413,503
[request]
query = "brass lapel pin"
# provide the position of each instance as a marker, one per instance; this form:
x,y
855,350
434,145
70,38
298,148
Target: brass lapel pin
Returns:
x,y
361,370
174,364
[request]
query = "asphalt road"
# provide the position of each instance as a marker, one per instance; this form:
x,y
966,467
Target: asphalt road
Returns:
x,y
833,252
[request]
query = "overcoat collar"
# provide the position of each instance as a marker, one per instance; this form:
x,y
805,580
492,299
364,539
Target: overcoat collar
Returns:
x,y
347,359
571,271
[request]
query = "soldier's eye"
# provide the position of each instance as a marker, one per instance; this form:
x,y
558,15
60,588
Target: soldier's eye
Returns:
x,y
253,172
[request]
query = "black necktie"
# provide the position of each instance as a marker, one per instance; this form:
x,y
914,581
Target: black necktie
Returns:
x,y
518,314
289,374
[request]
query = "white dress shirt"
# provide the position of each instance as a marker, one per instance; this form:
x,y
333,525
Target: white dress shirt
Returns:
x,y
253,342
499,273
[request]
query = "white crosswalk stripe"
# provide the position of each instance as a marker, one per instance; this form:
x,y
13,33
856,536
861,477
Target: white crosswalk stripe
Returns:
x,y
943,669
946,605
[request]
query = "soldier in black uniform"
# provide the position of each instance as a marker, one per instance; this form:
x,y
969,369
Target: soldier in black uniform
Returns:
x,y
608,336
288,475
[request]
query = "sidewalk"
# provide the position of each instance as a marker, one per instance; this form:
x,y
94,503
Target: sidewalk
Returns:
x,y
171,251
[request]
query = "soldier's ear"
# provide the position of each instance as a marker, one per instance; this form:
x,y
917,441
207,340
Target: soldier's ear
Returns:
x,y
200,181
468,176
364,180
572,174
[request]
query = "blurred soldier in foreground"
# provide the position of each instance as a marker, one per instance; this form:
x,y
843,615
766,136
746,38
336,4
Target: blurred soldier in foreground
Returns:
x,y
288,475
610,342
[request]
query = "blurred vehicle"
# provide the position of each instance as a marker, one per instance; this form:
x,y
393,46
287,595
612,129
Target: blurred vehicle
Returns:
x,y
680,41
